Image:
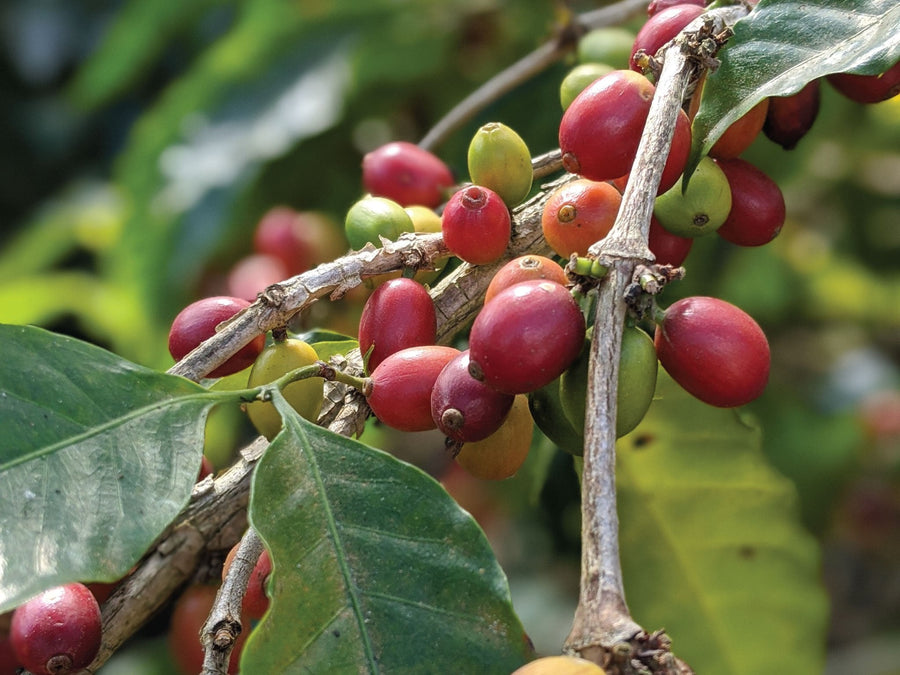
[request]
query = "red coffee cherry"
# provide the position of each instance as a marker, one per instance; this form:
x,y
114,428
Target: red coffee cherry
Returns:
x,y
57,631
399,314
742,132
476,225
463,408
662,26
253,273
400,387
300,239
868,88
757,205
197,322
656,6
525,268
714,350
256,600
526,337
790,117
579,213
600,131
407,174
668,248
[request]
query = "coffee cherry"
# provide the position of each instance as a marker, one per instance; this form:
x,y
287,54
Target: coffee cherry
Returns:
x,y
305,396
656,6
578,79
501,454
463,408
662,26
714,350
476,225
600,131
667,248
400,387
578,214
742,132
868,88
526,337
188,616
701,208
635,388
58,631
399,314
300,239
560,665
547,412
426,220
253,273
198,321
372,218
407,174
757,205
525,268
498,159
256,600
610,44
790,117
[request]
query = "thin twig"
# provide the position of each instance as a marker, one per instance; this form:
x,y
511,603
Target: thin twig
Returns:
x,y
527,67
223,625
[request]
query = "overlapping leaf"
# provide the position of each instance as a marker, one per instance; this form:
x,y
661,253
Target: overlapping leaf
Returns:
x,y
97,456
376,569
712,546
783,44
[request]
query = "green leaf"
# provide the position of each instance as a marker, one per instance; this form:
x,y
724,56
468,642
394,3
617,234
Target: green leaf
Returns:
x,y
98,456
712,549
376,568
784,44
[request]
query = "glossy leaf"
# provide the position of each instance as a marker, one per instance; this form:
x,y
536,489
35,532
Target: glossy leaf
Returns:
x,y
784,44
376,568
712,546
98,456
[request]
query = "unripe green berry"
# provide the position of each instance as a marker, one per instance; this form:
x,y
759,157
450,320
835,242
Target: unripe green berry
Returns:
x,y
373,217
578,78
499,159
610,45
701,208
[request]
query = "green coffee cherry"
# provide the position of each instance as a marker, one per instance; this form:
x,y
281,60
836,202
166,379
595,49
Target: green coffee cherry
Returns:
x,y
374,217
549,416
636,384
578,78
699,210
499,160
606,45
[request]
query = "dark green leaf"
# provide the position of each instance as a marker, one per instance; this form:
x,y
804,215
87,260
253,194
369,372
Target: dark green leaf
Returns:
x,y
98,456
376,568
712,548
783,44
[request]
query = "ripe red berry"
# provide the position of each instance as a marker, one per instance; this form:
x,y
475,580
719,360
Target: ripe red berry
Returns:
x,y
526,337
790,117
600,131
476,225
662,26
399,314
578,214
300,239
656,6
407,174
253,273
714,350
197,322
757,205
868,88
463,408
525,268
668,248
188,616
742,132
400,394
58,631
256,600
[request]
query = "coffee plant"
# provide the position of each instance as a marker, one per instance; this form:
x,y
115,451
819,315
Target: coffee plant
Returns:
x,y
372,349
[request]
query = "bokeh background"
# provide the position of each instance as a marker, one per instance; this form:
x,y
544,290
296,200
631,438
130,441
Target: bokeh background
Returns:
x,y
142,142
